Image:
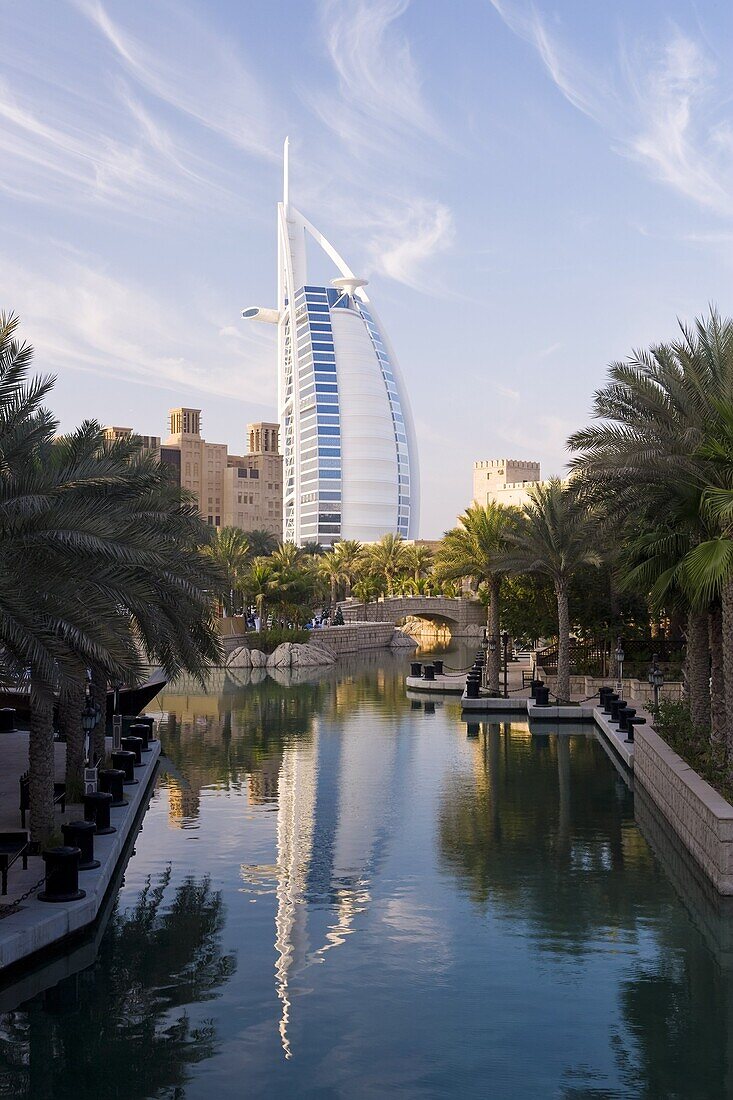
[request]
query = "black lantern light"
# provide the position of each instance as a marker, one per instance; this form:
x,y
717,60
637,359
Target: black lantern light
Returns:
x,y
620,655
656,678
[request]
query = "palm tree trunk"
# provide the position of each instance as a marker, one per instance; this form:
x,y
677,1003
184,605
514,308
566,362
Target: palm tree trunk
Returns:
x,y
563,644
41,763
493,659
717,685
727,602
98,691
698,669
71,705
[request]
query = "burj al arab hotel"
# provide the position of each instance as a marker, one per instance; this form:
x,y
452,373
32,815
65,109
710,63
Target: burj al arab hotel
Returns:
x,y
350,458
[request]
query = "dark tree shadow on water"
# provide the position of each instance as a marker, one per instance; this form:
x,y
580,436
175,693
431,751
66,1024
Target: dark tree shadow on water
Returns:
x,y
121,1028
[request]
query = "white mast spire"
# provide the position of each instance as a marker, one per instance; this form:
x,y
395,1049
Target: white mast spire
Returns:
x,y
286,172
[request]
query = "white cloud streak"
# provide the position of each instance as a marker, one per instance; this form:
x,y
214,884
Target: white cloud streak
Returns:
x,y
197,73
379,98
55,153
408,238
79,317
661,106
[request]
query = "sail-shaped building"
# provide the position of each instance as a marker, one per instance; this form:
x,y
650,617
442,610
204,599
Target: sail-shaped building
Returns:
x,y
350,459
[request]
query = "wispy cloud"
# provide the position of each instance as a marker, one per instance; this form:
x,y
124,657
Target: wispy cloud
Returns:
x,y
379,89
408,237
80,317
119,156
662,105
549,350
193,70
679,136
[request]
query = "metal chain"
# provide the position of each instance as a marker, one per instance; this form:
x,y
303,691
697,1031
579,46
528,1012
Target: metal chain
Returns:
x,y
8,907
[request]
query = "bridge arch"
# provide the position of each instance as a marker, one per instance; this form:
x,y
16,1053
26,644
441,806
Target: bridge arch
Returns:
x,y
459,614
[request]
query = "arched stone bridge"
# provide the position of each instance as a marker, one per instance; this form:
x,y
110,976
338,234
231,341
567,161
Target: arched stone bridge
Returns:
x,y
460,615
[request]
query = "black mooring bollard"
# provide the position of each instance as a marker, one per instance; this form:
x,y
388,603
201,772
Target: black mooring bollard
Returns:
x,y
542,697
62,875
96,809
112,780
80,834
438,666
149,722
610,698
125,761
141,730
472,689
534,685
133,744
616,706
428,672
416,669
624,714
7,719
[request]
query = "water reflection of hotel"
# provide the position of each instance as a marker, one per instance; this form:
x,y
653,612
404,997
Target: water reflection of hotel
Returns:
x,y
334,811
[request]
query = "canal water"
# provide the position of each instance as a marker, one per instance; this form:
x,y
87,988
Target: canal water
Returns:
x,y
340,891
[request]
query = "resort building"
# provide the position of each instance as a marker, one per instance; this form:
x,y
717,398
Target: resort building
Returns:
x,y
150,442
350,458
242,491
504,481
252,485
231,490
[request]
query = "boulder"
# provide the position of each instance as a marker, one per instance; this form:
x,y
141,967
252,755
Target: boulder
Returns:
x,y
259,660
280,657
240,658
310,654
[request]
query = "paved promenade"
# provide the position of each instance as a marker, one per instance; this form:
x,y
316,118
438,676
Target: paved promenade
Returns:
x,y
37,924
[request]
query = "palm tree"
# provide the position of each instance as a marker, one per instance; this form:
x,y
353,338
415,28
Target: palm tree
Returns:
x,y
387,558
100,562
366,589
258,585
656,414
419,560
554,537
330,567
261,542
350,553
231,550
474,551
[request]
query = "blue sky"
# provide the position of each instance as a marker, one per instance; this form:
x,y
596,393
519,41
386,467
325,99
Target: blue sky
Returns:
x,y
532,190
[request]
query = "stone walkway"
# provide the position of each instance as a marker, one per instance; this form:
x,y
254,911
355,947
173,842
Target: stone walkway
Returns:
x,y
13,762
38,924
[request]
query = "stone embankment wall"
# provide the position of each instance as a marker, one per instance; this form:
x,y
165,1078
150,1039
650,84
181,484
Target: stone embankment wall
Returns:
x,y
353,637
701,817
350,638
635,691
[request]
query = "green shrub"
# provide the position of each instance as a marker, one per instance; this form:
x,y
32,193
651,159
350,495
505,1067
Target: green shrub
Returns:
x,y
673,723
268,640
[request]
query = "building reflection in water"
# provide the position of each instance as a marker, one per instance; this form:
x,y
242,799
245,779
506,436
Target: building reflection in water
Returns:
x,y
334,815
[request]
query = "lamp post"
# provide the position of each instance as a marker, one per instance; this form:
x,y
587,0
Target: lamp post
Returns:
x,y
505,644
655,678
620,664
492,646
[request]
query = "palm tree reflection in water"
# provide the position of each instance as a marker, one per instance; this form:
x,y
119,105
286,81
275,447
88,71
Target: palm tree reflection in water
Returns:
x,y
121,1027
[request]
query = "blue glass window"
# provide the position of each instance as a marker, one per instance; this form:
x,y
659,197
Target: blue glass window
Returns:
x,y
322,387
329,473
